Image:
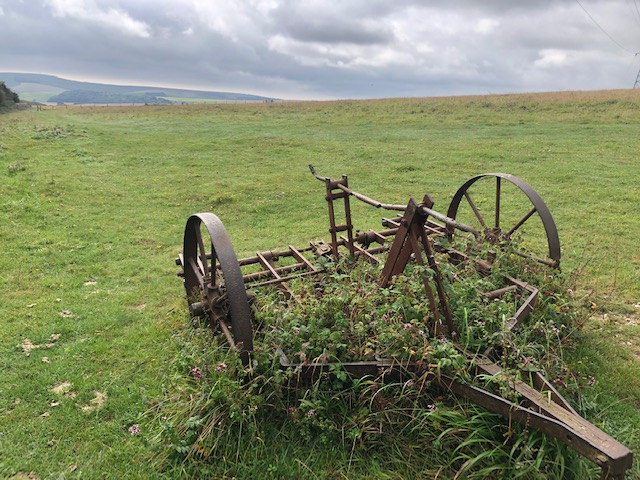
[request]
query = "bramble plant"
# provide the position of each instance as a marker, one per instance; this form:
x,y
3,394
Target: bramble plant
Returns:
x,y
342,315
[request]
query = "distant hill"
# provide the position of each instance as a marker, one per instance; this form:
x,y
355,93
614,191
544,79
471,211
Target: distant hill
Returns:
x,y
49,88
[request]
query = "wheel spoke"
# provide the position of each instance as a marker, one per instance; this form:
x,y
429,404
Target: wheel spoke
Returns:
x,y
196,268
475,209
203,252
214,266
522,220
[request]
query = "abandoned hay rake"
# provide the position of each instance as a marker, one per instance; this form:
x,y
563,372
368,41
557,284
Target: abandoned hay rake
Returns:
x,y
480,220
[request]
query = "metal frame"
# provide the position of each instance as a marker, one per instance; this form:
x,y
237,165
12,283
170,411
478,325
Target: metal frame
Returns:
x,y
214,278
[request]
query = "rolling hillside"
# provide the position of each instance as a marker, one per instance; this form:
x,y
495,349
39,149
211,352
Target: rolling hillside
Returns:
x,y
48,88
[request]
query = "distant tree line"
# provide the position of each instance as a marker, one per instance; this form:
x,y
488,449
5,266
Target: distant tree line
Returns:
x,y
8,99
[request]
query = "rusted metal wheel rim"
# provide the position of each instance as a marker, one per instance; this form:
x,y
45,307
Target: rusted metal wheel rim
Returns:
x,y
538,207
211,271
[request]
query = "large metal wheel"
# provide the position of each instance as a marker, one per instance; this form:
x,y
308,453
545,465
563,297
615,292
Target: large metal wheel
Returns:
x,y
213,281
495,206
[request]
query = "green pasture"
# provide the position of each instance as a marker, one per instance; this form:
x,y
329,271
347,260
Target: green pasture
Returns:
x,y
37,96
93,203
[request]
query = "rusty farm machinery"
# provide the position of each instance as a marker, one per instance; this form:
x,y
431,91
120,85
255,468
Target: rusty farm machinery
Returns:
x,y
220,287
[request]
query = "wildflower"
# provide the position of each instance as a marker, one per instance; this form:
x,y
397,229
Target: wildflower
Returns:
x,y
221,367
292,411
134,429
196,373
432,408
311,413
295,330
407,326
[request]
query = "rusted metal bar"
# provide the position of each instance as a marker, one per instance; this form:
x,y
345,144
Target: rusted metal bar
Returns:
x,y
273,254
332,219
450,222
475,210
419,232
550,263
387,206
554,420
276,281
371,201
540,409
523,312
281,284
347,214
227,334
298,256
498,189
250,277
499,292
521,222
359,251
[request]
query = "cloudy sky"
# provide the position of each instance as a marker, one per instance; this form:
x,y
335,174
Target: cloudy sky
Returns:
x,y
328,49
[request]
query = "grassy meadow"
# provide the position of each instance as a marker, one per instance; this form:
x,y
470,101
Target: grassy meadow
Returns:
x,y
92,211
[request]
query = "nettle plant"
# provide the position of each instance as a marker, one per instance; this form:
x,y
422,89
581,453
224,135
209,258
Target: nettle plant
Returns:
x,y
215,408
346,317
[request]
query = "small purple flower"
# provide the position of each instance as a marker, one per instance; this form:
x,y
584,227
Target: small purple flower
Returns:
x,y
432,408
196,373
221,367
311,413
134,429
295,330
292,411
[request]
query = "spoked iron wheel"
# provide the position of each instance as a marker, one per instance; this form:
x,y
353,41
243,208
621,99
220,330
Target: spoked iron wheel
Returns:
x,y
502,207
213,281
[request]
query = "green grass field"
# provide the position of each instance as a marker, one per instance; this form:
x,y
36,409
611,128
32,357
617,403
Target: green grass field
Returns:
x,y
92,212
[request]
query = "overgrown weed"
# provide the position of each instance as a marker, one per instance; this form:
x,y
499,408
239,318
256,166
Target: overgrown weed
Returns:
x,y
214,410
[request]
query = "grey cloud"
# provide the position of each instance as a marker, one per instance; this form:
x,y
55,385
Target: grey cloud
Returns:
x,y
325,29
319,49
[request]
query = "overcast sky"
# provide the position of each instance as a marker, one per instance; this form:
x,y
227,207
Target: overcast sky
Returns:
x,y
328,49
